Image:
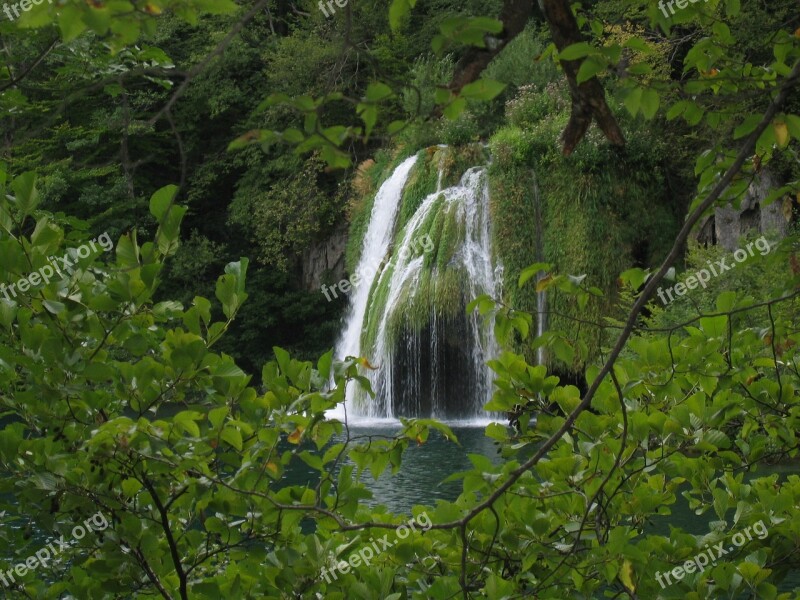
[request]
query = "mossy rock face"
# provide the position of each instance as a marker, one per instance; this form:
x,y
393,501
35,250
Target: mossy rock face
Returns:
x,y
453,163
429,338
598,212
438,288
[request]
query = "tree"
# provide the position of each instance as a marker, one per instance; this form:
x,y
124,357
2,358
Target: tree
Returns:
x,y
115,402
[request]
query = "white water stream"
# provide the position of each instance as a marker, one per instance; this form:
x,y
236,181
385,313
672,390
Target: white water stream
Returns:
x,y
473,257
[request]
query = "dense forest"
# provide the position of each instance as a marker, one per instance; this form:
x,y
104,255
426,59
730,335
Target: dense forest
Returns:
x,y
237,234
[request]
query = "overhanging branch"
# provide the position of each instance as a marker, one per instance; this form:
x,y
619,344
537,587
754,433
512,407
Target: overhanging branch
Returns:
x,y
588,98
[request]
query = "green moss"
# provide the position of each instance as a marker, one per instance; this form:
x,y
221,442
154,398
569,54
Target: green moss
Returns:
x,y
437,287
441,293
602,210
421,183
451,232
456,160
412,310
376,305
452,162
450,293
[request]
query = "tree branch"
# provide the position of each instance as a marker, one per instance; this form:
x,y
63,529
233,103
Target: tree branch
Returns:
x,y
588,98
217,51
515,15
173,547
15,80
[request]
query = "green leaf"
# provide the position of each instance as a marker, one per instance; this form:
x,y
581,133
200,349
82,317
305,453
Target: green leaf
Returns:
x,y
283,359
217,416
161,200
563,350
442,95
483,89
98,18
395,126
186,420
369,114
693,114
531,271
232,436
589,68
70,22
747,126
378,91
726,301
793,122
398,10
169,230
715,326
24,187
455,108
496,431
633,101
650,101
324,365
575,51
8,311
677,110
130,487
293,135
54,307
638,44
635,277
230,290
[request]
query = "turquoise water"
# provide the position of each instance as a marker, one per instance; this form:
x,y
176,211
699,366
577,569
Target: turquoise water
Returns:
x,y
425,466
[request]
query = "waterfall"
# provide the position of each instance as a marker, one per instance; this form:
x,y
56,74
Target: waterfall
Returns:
x,y
376,244
410,319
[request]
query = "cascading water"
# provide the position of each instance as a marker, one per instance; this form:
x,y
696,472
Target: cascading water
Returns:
x,y
380,232
409,319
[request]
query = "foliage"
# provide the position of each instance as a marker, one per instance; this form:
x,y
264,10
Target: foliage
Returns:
x,y
763,279
684,413
119,404
118,398
594,213
288,216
